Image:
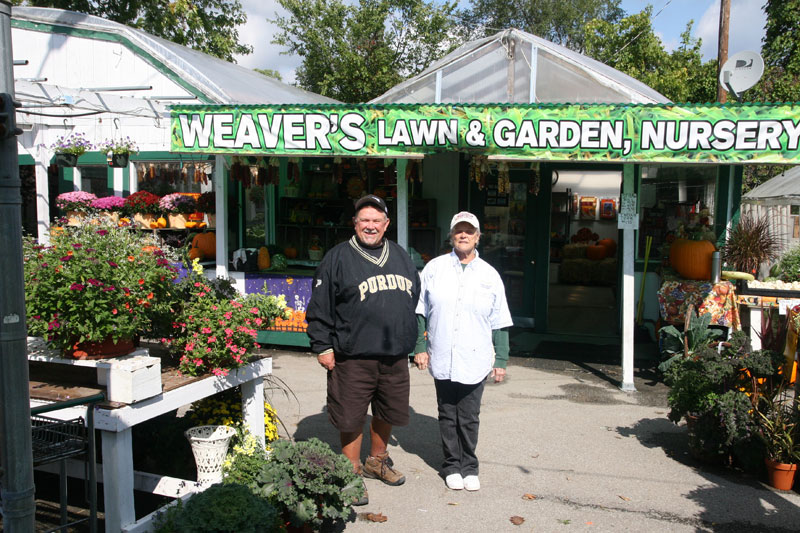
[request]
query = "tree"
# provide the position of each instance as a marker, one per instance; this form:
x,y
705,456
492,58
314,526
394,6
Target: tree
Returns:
x,y
781,52
560,21
270,73
354,53
632,47
205,25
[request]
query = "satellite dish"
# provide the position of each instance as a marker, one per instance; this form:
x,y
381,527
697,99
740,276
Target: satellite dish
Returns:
x,y
740,72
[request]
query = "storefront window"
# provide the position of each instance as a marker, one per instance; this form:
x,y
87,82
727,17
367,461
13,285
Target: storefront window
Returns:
x,y
94,179
163,178
675,202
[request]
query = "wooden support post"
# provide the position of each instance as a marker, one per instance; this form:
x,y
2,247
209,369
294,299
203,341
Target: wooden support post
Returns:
x,y
628,290
118,479
253,407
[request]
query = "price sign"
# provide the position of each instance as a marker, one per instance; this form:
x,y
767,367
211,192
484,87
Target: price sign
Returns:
x,y
627,203
628,220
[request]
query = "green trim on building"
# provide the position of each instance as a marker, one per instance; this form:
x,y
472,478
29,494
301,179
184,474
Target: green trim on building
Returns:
x,y
25,159
113,37
284,338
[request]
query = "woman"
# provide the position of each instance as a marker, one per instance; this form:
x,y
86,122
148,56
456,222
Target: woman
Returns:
x,y
463,308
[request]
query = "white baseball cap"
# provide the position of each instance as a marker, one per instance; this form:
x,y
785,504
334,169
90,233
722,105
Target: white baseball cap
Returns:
x,y
465,216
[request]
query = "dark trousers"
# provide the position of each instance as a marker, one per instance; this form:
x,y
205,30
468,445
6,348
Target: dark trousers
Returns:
x,y
459,409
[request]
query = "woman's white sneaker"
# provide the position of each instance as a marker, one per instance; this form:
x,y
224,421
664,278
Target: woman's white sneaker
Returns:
x,y
454,482
472,483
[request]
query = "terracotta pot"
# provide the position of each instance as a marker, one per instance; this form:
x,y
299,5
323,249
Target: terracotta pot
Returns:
x,y
177,221
101,349
780,475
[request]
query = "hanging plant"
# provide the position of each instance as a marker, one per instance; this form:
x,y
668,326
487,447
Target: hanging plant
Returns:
x,y
478,170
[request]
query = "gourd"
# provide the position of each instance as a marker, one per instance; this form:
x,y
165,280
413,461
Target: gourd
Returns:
x,y
691,259
279,262
195,253
595,252
611,246
290,252
191,224
207,242
149,249
162,222
263,258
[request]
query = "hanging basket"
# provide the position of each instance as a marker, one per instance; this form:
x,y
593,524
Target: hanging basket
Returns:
x,y
66,160
118,160
209,446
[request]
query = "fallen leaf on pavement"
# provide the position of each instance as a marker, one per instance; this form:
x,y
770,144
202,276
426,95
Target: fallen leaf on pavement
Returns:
x,y
624,497
452,503
528,497
516,520
535,456
376,517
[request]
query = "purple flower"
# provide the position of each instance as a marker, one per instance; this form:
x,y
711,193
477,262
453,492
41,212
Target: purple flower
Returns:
x,y
113,264
102,232
109,203
66,258
92,281
109,288
76,287
77,246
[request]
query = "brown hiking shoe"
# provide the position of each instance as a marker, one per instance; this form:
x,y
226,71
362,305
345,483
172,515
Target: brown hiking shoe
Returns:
x,y
380,467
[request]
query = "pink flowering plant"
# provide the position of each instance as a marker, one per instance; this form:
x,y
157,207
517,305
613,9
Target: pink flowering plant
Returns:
x,y
94,282
214,334
75,201
178,203
109,203
74,143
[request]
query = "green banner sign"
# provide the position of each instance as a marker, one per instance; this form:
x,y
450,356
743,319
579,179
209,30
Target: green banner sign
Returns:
x,y
600,133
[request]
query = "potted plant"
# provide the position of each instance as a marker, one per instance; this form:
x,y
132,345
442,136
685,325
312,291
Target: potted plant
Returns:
x,y
749,244
177,206
309,483
93,289
228,507
69,148
118,151
76,204
143,207
207,203
109,207
779,429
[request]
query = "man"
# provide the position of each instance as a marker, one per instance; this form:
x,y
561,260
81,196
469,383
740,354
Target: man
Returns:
x,y
362,325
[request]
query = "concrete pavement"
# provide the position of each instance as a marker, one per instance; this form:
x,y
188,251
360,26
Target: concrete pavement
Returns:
x,y
593,458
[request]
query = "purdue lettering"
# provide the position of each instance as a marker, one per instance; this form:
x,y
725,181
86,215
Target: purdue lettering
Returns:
x,y
389,282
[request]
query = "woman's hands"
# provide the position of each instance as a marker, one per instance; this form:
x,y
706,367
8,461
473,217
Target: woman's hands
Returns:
x,y
421,360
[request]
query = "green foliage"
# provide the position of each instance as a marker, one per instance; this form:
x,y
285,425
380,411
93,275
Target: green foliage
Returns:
x,y
205,25
631,46
560,21
677,344
779,426
749,244
309,482
245,460
355,52
221,508
789,265
781,52
92,282
225,409
270,73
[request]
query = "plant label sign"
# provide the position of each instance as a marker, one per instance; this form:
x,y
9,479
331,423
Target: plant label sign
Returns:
x,y
628,218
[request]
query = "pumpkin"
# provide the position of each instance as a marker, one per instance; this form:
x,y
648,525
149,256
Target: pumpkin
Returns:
x,y
290,252
207,242
162,222
154,225
191,224
691,259
196,253
595,252
611,246
201,224
263,258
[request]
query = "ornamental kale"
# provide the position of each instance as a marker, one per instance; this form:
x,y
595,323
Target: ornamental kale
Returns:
x,y
309,482
74,143
75,201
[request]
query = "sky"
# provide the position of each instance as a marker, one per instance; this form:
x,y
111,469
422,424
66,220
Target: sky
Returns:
x,y
746,28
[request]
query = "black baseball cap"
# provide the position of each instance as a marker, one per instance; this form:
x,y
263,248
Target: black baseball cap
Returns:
x,y
375,201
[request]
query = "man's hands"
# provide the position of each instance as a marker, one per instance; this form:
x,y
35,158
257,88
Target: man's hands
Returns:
x,y
327,360
498,374
421,360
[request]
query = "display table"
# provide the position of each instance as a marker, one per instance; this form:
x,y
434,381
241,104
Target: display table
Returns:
x,y
52,382
715,299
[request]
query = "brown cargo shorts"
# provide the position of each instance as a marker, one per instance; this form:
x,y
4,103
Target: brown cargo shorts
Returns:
x,y
358,382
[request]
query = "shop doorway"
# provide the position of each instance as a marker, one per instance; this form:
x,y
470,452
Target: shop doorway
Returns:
x,y
583,274
508,240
